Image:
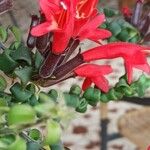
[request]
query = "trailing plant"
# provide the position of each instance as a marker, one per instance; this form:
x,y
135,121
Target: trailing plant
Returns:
x,y
32,119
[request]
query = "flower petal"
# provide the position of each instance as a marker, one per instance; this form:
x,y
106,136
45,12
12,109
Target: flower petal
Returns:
x,y
87,83
49,7
78,25
92,24
96,34
131,53
129,70
94,73
44,28
145,67
86,7
92,70
101,82
60,42
61,39
113,50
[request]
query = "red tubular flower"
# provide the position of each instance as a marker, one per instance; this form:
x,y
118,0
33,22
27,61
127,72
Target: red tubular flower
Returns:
x,y
70,18
90,29
60,19
95,75
132,54
88,20
61,39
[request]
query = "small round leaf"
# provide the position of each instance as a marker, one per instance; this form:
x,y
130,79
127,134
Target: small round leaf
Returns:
x,y
19,144
53,133
21,114
35,134
75,89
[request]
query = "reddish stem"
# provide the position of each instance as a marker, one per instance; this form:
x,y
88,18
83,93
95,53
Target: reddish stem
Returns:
x,y
43,41
49,65
137,13
68,66
50,82
63,72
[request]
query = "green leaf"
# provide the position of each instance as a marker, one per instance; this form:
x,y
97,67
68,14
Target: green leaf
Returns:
x,y
123,35
124,88
53,133
75,89
7,64
115,28
112,39
31,87
22,54
141,85
104,98
134,39
122,22
16,32
82,107
125,25
113,95
33,146
71,100
58,146
20,94
132,33
109,12
35,134
3,34
33,100
21,115
3,83
24,74
6,140
103,26
19,144
53,94
15,45
44,109
3,106
122,82
44,97
6,97
92,95
3,102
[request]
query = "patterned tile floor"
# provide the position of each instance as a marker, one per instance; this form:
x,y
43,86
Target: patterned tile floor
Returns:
x,y
83,133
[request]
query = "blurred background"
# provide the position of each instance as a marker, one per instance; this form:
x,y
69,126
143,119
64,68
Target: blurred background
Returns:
x,y
88,131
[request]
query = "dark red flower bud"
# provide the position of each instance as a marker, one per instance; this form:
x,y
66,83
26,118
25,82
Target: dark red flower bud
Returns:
x,y
31,40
